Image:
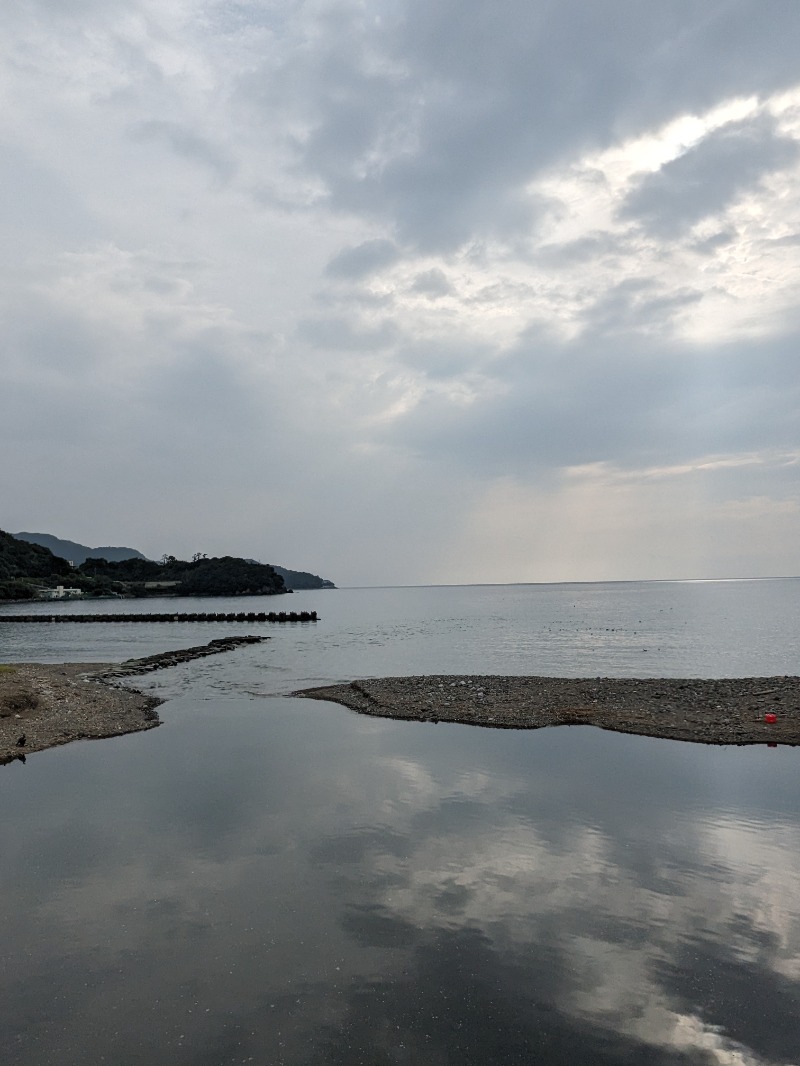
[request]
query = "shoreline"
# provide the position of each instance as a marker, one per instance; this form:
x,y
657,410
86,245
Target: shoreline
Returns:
x,y
726,711
53,704
46,705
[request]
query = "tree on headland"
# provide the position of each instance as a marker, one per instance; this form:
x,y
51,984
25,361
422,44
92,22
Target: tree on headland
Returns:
x,y
228,576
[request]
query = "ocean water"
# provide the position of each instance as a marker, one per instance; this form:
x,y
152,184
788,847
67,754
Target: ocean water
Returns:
x,y
275,880
618,629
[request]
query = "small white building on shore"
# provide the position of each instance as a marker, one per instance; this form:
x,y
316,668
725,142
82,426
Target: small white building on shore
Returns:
x,y
60,592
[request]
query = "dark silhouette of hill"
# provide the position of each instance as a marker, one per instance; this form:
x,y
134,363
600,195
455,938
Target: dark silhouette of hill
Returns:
x,y
225,576
24,567
78,553
299,579
228,575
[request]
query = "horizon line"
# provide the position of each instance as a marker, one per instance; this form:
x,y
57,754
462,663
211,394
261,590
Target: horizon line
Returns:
x,y
573,581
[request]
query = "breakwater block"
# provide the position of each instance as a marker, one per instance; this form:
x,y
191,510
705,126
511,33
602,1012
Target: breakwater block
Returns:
x,y
164,659
241,616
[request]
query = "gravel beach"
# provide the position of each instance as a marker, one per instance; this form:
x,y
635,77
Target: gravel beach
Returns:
x,y
722,711
43,705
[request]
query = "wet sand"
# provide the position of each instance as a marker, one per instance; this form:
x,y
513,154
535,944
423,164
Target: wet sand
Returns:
x,y
43,705
713,711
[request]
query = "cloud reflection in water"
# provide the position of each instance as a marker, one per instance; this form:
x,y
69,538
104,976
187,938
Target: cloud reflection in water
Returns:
x,y
286,880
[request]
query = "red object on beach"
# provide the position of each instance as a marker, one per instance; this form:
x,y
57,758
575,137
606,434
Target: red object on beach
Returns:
x,y
770,717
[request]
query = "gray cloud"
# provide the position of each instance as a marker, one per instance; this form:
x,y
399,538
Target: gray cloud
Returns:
x,y
636,303
593,247
789,241
38,200
432,283
187,144
363,259
553,407
443,150
709,245
440,360
338,333
706,179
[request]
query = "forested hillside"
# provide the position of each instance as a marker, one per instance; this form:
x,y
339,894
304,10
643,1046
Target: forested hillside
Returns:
x,y
24,567
225,576
299,579
78,553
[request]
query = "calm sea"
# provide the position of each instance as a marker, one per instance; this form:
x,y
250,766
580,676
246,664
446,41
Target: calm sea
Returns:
x,y
273,880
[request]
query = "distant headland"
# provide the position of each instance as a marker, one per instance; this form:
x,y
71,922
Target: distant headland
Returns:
x,y
42,566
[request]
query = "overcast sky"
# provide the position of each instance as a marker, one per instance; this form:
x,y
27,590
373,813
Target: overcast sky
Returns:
x,y
405,291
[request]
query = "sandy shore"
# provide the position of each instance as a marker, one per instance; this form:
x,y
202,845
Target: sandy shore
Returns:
x,y
42,705
724,711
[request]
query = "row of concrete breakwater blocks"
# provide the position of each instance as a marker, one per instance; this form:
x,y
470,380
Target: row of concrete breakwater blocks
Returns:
x,y
251,616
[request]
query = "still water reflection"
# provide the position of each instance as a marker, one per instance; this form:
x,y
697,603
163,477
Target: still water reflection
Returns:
x,y
282,881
